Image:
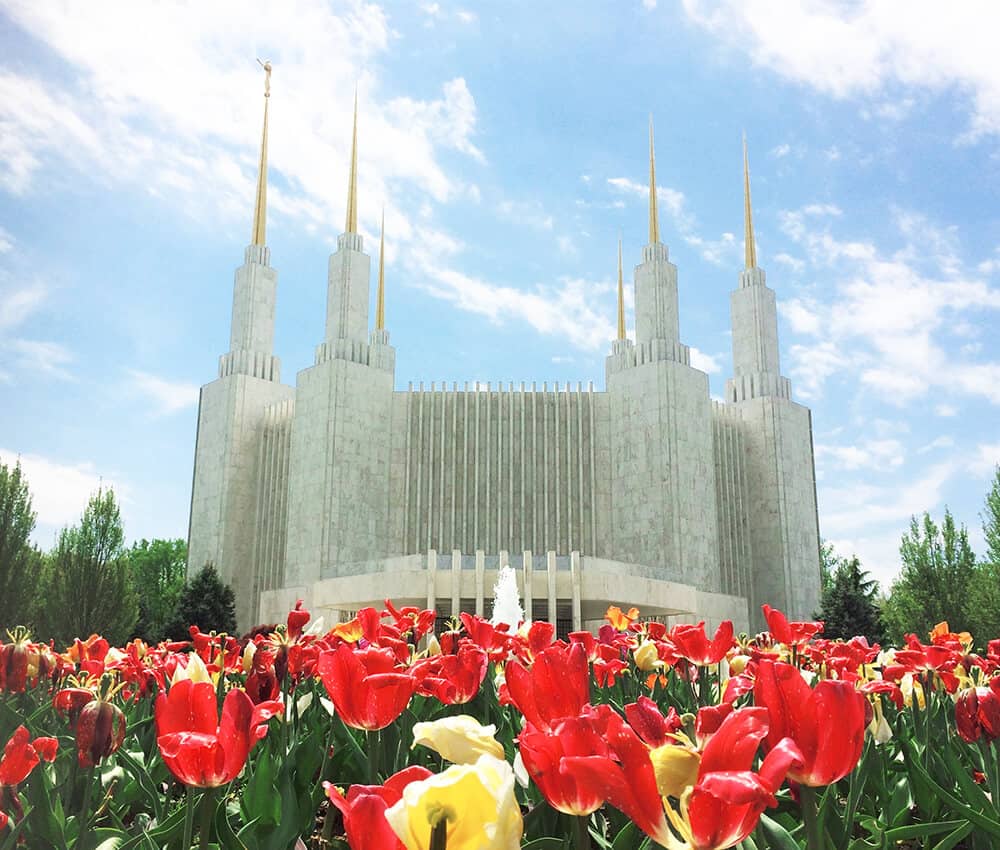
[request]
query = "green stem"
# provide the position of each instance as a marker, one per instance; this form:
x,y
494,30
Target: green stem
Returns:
x,y
439,835
810,815
581,833
205,825
704,688
84,816
188,819
374,756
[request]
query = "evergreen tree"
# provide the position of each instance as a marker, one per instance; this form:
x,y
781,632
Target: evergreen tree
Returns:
x,y
829,560
848,606
87,586
19,562
205,602
983,606
933,585
157,568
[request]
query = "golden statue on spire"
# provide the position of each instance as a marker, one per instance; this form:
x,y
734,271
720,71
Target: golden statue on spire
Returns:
x,y
654,215
621,294
352,180
260,209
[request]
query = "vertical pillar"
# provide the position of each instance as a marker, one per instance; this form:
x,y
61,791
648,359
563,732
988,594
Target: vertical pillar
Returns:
x,y
574,575
432,563
527,570
456,582
550,558
480,582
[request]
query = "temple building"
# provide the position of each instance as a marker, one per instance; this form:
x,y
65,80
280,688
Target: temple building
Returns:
x,y
344,490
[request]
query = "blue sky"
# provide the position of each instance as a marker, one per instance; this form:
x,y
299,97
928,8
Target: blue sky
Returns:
x,y
508,144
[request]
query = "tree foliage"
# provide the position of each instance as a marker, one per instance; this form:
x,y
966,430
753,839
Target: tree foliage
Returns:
x,y
938,569
983,604
19,562
87,586
848,604
206,602
157,568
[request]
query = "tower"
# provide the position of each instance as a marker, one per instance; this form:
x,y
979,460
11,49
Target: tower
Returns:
x,y
230,412
339,455
661,451
777,437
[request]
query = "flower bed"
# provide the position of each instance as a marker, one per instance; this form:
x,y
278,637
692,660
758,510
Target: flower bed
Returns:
x,y
377,735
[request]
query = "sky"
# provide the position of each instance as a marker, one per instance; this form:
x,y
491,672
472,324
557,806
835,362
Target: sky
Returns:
x,y
507,143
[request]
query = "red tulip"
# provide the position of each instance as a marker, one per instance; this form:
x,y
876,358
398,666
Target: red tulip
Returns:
x,y
453,679
827,722
543,754
69,702
790,634
977,713
648,721
100,731
693,644
262,683
363,809
21,755
728,797
365,685
297,619
199,749
557,685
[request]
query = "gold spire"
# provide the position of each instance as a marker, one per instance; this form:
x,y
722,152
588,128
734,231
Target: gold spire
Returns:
x,y
260,210
751,248
352,180
621,294
654,216
380,297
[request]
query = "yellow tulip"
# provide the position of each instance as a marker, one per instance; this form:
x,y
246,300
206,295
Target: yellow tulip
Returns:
x,y
477,801
646,657
195,670
675,767
460,739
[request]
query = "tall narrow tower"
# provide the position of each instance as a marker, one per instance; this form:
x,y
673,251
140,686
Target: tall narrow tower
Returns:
x,y
230,411
781,517
662,458
340,451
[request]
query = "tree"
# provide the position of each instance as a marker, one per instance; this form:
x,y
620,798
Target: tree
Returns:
x,y
205,602
983,605
933,585
829,560
848,606
18,560
87,587
157,568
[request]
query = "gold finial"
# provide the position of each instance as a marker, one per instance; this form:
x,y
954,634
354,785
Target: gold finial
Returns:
x,y
260,210
380,297
751,248
352,180
654,216
621,294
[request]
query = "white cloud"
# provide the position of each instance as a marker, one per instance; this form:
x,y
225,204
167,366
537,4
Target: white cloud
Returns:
x,y
529,213
673,202
17,303
942,442
177,109
945,410
167,396
868,48
795,264
705,362
869,454
649,5
986,459
888,317
781,150
6,241
60,491
40,357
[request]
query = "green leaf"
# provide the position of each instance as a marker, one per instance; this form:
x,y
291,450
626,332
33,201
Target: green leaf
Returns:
x,y
778,838
917,830
544,844
228,839
142,779
951,840
628,838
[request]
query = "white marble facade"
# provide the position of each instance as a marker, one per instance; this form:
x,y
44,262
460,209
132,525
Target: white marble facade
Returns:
x,y
344,490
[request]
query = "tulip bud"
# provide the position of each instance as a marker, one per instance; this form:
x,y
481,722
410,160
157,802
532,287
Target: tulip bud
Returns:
x,y
676,769
100,731
647,658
